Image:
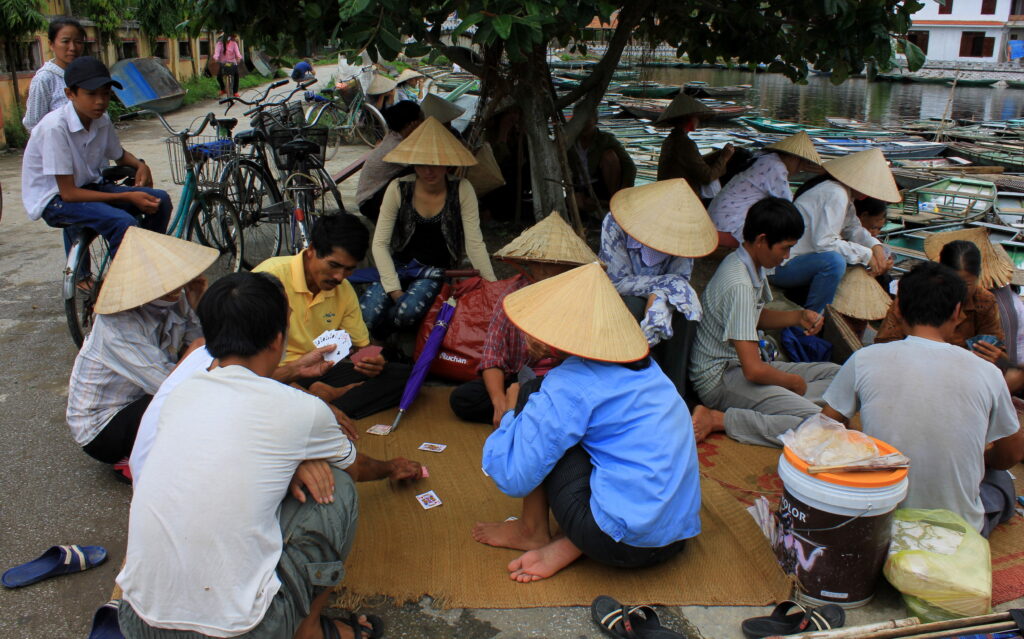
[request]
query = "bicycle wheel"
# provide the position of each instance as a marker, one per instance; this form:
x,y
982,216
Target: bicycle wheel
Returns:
x,y
328,197
87,265
332,118
370,125
260,208
300,189
213,222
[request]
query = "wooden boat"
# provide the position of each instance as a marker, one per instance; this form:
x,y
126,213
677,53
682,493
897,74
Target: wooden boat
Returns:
x,y
891,77
954,199
1009,207
702,90
769,125
649,90
263,64
922,79
907,243
847,123
1014,84
651,109
975,82
986,155
932,163
147,85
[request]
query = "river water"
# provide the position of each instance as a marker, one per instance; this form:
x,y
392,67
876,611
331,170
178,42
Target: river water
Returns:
x,y
885,103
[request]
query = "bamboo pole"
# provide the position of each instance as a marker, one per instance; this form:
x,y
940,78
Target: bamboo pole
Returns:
x,y
980,630
855,631
948,112
911,628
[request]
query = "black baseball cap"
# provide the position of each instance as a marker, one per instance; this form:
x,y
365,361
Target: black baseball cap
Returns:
x,y
88,73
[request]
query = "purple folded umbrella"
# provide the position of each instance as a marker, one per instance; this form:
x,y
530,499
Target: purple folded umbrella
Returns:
x,y
426,358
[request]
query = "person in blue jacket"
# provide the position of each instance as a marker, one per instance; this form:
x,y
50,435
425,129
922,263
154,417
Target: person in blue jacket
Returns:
x,y
605,442
303,70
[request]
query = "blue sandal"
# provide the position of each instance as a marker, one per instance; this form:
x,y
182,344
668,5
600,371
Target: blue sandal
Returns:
x,y
58,560
104,622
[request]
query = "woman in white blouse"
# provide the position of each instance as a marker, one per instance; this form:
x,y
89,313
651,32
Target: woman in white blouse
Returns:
x,y
833,236
430,217
46,93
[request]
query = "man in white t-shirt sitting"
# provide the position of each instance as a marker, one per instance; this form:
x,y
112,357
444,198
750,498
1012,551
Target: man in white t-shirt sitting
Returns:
x,y
945,408
223,540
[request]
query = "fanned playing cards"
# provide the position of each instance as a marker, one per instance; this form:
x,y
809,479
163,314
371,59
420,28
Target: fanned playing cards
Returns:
x,y
342,344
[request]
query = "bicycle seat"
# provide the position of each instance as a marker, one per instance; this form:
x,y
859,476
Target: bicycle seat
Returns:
x,y
227,123
299,147
117,173
249,136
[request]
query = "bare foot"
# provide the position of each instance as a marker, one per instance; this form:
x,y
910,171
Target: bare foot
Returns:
x,y
539,564
510,534
707,421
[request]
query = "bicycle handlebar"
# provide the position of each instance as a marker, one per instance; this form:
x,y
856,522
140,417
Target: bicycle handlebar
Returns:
x,y
231,100
302,86
209,118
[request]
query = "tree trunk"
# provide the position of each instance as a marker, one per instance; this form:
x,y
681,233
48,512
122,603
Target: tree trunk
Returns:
x,y
14,76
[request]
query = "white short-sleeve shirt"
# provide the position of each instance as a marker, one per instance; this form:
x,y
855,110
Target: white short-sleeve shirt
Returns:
x,y
60,145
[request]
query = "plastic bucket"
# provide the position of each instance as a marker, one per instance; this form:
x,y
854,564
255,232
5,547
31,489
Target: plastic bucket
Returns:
x,y
834,529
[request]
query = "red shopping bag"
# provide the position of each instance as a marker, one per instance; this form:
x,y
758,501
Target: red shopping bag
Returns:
x,y
463,344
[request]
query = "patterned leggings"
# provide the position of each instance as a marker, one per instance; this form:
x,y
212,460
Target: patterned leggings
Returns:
x,y
384,315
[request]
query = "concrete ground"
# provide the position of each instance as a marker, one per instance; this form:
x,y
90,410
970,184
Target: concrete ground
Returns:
x,y
55,494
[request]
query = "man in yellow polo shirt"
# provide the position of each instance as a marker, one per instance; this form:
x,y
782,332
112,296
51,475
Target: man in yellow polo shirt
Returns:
x,y
322,299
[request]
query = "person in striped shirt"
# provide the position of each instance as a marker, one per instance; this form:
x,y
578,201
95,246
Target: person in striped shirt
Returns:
x,y
751,400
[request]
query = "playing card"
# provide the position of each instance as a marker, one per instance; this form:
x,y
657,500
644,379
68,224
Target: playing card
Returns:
x,y
429,500
425,473
379,429
342,344
433,448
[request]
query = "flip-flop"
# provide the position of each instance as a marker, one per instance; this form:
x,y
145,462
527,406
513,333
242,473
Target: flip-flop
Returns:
x,y
358,630
58,560
784,621
104,622
637,622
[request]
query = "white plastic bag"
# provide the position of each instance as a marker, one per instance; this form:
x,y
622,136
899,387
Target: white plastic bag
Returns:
x,y
822,441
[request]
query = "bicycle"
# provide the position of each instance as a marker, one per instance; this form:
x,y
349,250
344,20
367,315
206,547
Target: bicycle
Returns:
x,y
346,115
203,215
269,220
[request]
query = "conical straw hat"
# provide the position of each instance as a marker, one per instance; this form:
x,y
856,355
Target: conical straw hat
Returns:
x,y
683,106
666,216
437,107
578,312
860,296
798,144
406,75
381,84
148,266
866,172
550,240
997,268
431,144
486,175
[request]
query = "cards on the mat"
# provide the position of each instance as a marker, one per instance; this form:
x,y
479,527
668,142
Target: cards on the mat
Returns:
x,y
425,473
432,447
379,429
342,344
429,500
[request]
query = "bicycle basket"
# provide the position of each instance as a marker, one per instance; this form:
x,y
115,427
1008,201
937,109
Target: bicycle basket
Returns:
x,y
290,114
278,137
208,154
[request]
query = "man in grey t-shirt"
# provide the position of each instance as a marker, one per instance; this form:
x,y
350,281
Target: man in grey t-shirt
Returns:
x,y
945,408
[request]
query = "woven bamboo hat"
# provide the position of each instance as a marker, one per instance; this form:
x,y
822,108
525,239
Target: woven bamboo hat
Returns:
x,y
406,75
866,172
441,109
798,144
381,84
860,296
148,266
431,144
666,216
550,240
997,269
580,313
683,106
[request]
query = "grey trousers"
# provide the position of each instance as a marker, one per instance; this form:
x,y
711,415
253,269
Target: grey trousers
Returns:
x,y
317,539
758,414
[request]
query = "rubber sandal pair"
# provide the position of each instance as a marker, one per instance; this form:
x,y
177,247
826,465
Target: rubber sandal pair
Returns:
x,y
358,630
104,622
58,560
637,622
789,618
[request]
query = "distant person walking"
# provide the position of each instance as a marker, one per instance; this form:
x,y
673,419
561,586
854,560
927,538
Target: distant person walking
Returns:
x,y
228,55
46,93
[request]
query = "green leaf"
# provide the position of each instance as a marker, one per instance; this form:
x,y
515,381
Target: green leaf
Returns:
x,y
503,25
417,50
468,22
350,8
915,56
390,40
313,11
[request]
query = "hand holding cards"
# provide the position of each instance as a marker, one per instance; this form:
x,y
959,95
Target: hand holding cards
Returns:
x,y
342,344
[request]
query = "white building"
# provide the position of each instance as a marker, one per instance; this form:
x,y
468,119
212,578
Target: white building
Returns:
x,y
968,30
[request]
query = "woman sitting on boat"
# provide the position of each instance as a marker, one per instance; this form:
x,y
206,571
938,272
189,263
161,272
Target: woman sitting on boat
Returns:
x,y
834,237
430,217
979,315
46,93
680,157
648,242
768,176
